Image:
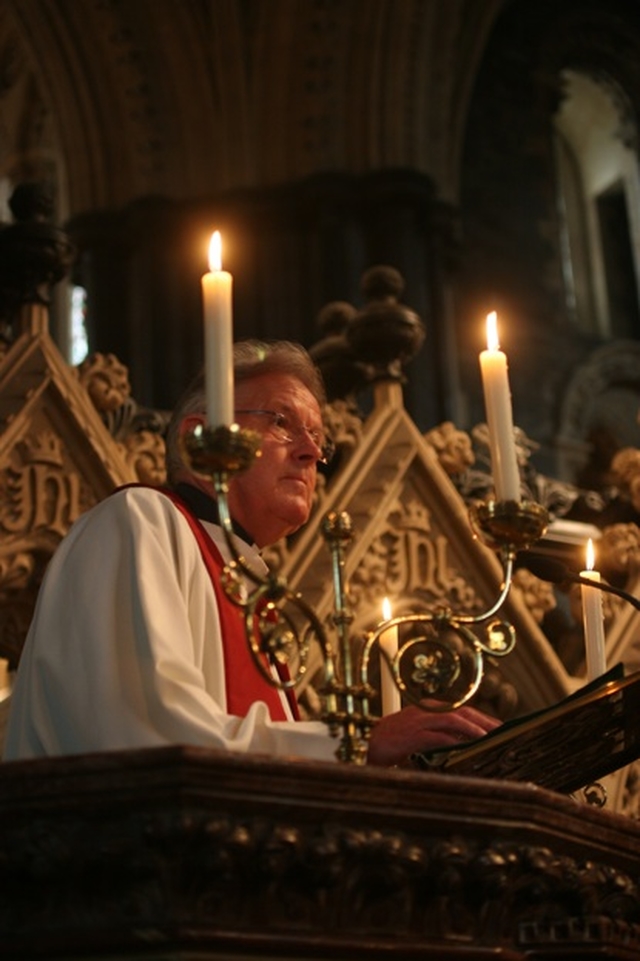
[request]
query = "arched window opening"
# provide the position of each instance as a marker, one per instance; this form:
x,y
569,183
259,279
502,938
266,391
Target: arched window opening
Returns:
x,y
79,334
599,205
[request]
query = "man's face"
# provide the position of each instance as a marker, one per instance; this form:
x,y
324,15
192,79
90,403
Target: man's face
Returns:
x,y
273,498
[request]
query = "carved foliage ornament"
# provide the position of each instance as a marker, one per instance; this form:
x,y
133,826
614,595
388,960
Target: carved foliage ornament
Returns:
x,y
139,431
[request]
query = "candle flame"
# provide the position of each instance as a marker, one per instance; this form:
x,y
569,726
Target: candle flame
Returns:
x,y
386,609
591,556
215,251
492,331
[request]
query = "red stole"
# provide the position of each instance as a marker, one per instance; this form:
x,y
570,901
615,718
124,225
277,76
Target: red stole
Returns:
x,y
243,680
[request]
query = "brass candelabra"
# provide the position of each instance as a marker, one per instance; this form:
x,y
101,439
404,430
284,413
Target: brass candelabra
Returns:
x,y
439,650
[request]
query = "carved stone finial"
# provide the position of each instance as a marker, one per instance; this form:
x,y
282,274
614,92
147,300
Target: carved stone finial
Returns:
x,y
385,334
343,375
31,202
361,347
34,254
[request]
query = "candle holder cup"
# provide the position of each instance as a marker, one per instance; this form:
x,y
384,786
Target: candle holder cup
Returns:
x,y
508,526
440,653
220,450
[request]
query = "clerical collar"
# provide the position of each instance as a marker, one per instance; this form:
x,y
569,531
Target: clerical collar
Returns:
x,y
206,508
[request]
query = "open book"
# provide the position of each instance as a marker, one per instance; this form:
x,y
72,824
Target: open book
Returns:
x,y
582,738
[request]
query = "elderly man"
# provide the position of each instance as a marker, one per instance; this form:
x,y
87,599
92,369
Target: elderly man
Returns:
x,y
133,641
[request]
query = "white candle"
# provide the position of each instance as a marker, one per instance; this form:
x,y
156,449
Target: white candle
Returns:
x,y
218,338
391,699
497,401
593,620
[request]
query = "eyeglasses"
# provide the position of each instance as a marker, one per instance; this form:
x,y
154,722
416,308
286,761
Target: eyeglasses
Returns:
x,y
286,428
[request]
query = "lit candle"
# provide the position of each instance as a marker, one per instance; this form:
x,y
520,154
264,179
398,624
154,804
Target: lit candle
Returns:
x,y
391,700
497,401
218,338
593,620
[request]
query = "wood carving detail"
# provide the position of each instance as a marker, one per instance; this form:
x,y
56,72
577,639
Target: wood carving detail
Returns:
x,y
267,876
412,558
138,431
39,494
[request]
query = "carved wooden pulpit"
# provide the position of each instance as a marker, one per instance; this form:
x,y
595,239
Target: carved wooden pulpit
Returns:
x,y
182,853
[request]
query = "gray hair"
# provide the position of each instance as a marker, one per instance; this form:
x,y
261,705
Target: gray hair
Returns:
x,y
251,358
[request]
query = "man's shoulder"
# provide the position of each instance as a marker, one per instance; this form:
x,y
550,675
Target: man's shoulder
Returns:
x,y
151,503
130,521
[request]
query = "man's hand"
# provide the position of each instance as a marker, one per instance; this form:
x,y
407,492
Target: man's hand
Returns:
x,y
410,731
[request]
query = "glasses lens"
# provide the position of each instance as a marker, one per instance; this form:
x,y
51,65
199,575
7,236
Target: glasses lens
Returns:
x,y
285,430
280,427
322,442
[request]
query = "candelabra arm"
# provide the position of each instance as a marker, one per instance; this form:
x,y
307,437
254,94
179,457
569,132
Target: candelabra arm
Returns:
x,y
436,664
221,486
433,646
508,559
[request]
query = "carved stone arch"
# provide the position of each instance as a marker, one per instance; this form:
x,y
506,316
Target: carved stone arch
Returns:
x,y
57,49
513,230
595,40
600,412
27,137
367,86
130,92
233,95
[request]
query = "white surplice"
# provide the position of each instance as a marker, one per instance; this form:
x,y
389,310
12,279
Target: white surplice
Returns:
x,y
125,651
